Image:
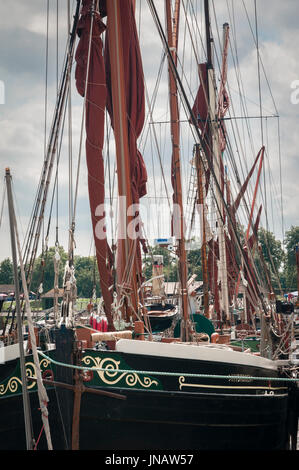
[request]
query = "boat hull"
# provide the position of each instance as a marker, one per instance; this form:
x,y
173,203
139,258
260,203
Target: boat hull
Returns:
x,y
161,317
159,420
179,411
171,403
12,429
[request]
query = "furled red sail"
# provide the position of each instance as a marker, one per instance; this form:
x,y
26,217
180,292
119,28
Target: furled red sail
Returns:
x,y
200,108
135,101
200,111
95,119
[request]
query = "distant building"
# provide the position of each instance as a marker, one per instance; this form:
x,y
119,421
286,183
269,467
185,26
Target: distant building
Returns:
x,y
7,289
48,298
50,294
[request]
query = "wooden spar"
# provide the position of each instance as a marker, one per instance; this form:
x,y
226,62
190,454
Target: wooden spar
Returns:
x,y
26,401
172,37
208,34
175,26
78,388
201,202
224,306
125,245
262,151
255,192
297,264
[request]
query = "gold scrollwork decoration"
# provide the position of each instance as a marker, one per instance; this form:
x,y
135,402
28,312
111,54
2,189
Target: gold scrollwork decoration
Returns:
x,y
13,383
111,376
181,381
11,386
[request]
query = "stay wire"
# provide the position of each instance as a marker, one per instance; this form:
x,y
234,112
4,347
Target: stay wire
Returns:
x,y
190,113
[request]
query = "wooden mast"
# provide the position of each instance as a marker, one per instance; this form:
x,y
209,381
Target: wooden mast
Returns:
x,y
125,247
297,264
217,166
26,400
201,202
172,38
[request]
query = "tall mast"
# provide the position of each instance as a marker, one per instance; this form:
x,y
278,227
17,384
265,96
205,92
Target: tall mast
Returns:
x,y
217,158
201,202
172,38
26,401
297,264
125,247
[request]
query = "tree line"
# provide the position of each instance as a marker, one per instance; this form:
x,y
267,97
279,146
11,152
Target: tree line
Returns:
x,y
279,258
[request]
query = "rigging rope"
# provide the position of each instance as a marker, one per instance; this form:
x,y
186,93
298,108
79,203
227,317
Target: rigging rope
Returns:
x,y
169,374
198,135
83,114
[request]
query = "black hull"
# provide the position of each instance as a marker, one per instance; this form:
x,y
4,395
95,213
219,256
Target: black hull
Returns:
x,y
184,421
175,413
12,431
161,322
211,415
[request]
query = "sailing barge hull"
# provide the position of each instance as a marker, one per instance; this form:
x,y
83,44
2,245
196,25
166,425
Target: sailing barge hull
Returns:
x,y
181,411
172,403
201,421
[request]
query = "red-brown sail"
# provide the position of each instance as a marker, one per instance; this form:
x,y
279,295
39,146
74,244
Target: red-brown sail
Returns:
x,y
201,112
95,119
135,102
200,108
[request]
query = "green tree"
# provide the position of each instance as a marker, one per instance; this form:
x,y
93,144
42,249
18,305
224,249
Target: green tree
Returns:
x,y
273,253
194,263
6,272
290,271
86,272
272,249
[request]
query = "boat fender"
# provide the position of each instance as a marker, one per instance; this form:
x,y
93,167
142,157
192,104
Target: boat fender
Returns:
x,y
104,324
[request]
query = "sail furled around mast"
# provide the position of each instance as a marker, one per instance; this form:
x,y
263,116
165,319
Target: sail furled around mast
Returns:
x,y
135,101
95,122
200,108
135,105
200,111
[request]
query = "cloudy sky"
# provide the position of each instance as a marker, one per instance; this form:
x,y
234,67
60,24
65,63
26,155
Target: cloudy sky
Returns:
x,y
23,26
